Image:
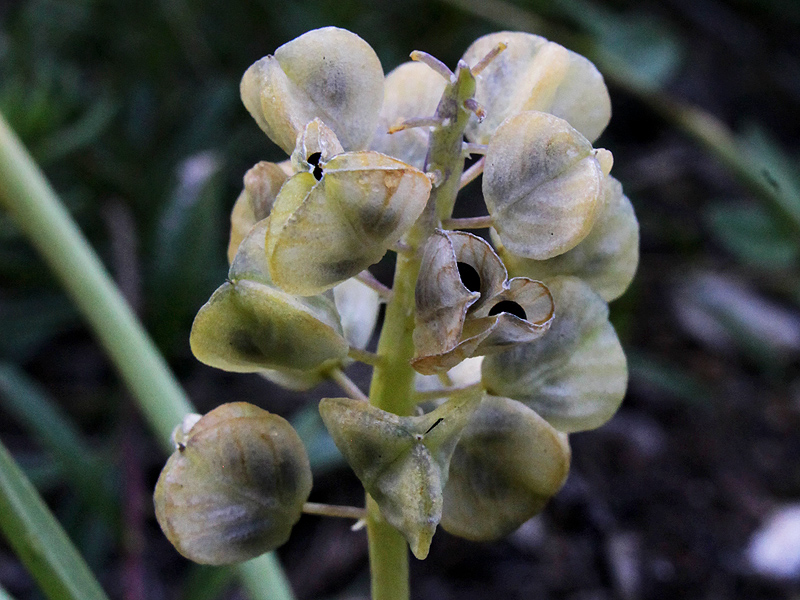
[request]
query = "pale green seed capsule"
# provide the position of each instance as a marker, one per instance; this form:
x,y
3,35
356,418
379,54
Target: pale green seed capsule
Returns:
x,y
412,90
508,463
261,186
234,487
328,73
576,374
606,258
534,74
402,462
249,324
542,184
329,226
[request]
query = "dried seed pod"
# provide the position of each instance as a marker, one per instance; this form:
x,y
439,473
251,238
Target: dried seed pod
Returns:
x,y
324,231
328,73
606,258
534,74
542,185
412,90
249,325
401,461
466,307
576,374
508,463
234,487
261,186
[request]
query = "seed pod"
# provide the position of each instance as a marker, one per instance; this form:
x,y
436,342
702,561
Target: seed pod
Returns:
x,y
324,231
249,325
402,462
328,73
541,184
357,305
508,463
466,307
606,258
411,90
261,185
234,487
575,375
534,74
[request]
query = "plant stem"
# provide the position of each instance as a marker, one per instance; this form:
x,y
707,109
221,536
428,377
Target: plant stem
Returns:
x,y
32,203
347,385
331,510
392,387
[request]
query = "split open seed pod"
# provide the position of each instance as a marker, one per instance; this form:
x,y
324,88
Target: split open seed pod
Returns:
x,y
542,184
402,462
329,225
261,186
466,306
606,258
234,487
575,375
535,74
249,324
411,90
328,73
508,463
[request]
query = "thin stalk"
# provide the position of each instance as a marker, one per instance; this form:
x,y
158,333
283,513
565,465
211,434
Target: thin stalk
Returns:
x,y
32,203
363,356
331,510
348,385
451,391
472,173
468,223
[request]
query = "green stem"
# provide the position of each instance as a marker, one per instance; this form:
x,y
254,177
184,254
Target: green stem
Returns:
x,y
32,203
392,387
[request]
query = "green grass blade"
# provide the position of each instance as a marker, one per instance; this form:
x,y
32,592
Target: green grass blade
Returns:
x,y
38,539
38,413
33,204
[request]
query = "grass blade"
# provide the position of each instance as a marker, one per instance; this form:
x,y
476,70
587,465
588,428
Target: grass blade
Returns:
x,y
38,539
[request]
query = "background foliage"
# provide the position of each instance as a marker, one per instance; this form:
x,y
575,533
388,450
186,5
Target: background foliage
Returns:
x,y
134,114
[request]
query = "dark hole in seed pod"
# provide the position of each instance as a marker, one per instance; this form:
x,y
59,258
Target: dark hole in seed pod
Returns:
x,y
507,306
314,161
469,277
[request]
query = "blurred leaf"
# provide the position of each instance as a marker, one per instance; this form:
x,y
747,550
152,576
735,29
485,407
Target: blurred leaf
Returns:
x,y
206,583
780,171
29,321
645,44
85,131
753,235
30,405
667,378
188,258
39,540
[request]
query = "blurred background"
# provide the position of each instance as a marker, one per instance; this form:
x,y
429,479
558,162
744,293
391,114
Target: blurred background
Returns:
x,y
692,491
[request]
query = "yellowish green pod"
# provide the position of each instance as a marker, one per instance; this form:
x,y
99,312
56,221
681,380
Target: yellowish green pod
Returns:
x,y
542,184
330,225
234,487
575,375
401,461
508,463
328,73
249,325
535,74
